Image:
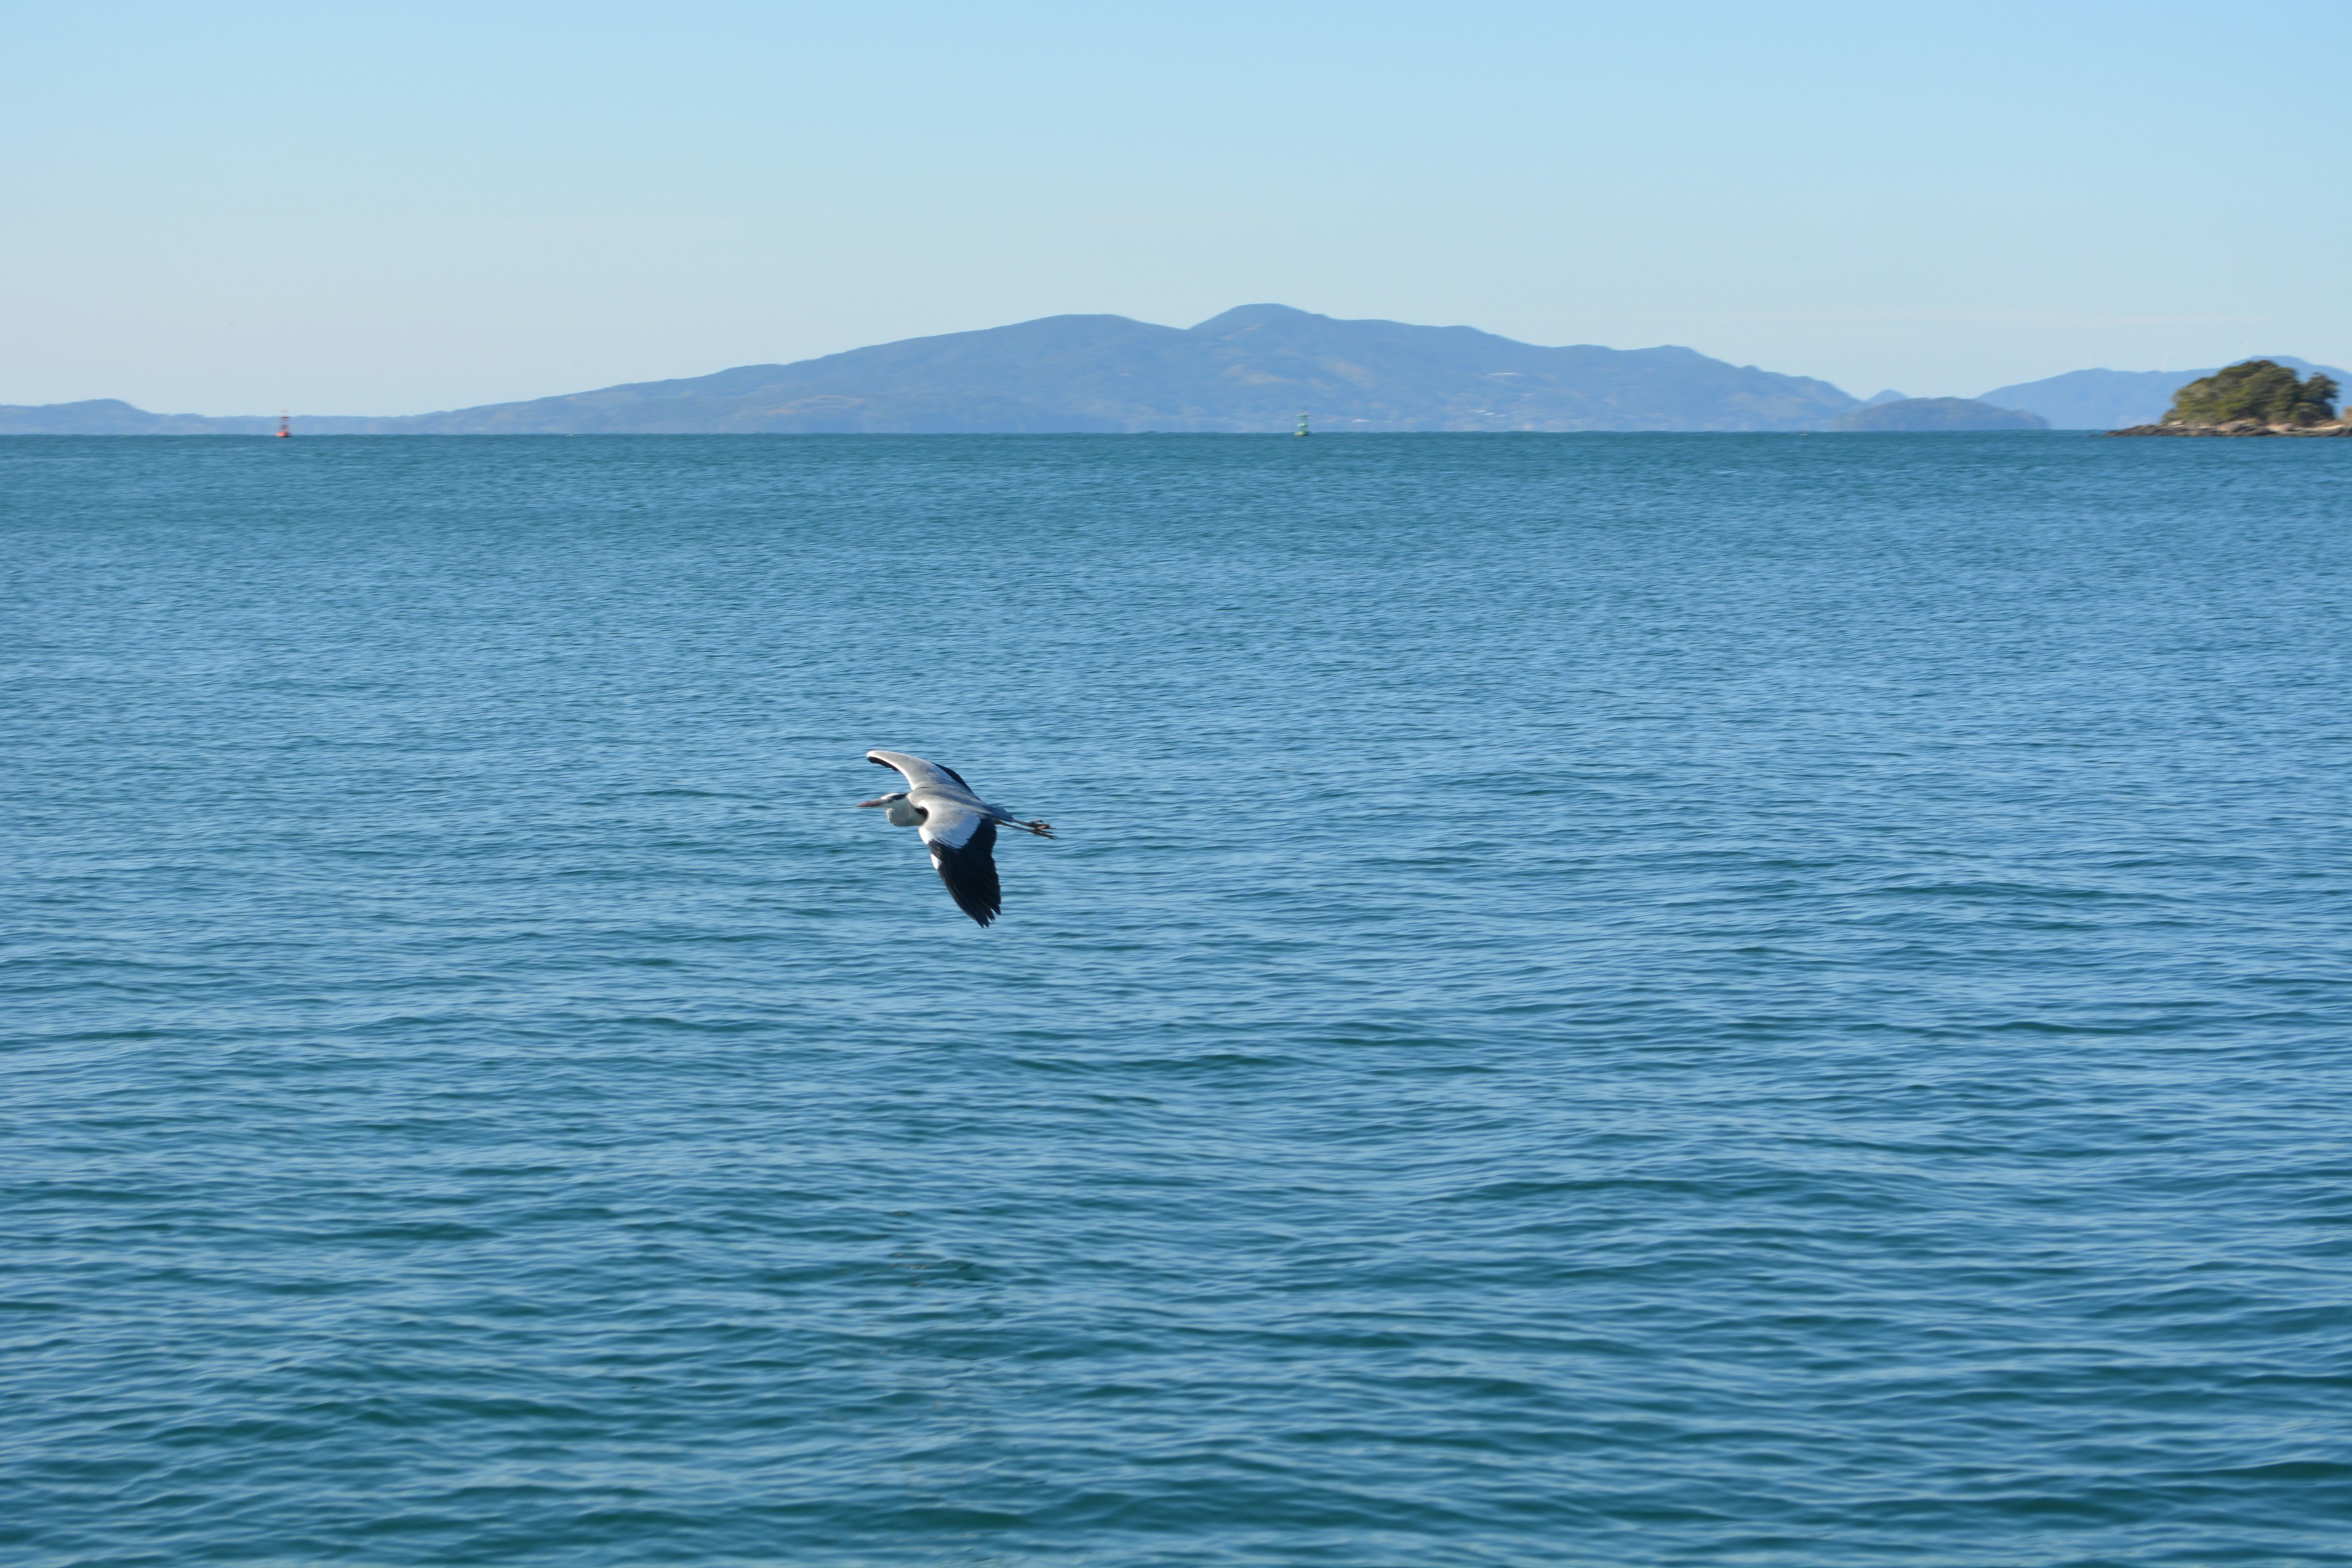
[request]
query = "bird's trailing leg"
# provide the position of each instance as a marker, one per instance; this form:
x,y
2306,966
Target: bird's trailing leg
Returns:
x,y
1042,829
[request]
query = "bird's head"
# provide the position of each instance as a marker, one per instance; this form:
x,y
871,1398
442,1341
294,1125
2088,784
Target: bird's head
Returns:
x,y
903,813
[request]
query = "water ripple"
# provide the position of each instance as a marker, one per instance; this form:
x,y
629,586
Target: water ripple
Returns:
x,y
1600,1000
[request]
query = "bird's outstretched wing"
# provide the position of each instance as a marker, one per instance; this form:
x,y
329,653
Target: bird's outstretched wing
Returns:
x,y
962,843
919,773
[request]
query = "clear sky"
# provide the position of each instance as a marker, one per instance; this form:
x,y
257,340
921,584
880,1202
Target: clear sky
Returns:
x,y
383,209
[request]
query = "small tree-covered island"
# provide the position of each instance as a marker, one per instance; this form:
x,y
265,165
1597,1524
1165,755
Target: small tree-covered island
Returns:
x,y
2257,397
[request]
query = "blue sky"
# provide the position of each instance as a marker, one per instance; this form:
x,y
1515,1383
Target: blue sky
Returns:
x,y
356,209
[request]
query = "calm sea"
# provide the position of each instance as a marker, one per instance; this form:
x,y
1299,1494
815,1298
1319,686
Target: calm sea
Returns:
x,y
1600,1000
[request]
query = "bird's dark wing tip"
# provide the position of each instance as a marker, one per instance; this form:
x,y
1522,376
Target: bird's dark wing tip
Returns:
x,y
969,873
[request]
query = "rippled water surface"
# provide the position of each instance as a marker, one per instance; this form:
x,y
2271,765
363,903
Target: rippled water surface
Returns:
x,y
1600,1000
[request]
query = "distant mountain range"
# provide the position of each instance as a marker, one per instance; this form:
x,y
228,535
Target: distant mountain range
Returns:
x,y
1913,415
1253,369
1256,368
112,416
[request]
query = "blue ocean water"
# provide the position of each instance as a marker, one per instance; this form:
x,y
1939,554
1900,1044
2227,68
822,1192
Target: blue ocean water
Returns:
x,y
1600,1000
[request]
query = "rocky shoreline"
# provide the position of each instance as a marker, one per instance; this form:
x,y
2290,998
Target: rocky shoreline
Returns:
x,y
2239,427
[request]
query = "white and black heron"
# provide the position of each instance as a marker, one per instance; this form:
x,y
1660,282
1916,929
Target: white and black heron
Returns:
x,y
959,828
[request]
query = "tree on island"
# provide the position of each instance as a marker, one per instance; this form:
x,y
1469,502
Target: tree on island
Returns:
x,y
2260,390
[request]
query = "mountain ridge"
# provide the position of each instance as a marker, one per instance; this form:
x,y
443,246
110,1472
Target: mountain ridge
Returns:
x,y
1252,368
112,416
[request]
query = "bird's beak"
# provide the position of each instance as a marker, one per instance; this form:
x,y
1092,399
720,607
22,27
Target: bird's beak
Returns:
x,y
877,800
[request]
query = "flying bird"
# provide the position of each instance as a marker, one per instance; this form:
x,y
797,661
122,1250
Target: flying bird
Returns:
x,y
959,828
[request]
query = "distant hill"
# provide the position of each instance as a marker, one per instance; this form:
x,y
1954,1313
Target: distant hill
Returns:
x,y
1919,414
1256,368
2112,399
111,417
1252,368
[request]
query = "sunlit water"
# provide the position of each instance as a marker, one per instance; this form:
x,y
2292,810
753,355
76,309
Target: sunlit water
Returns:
x,y
1600,1000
